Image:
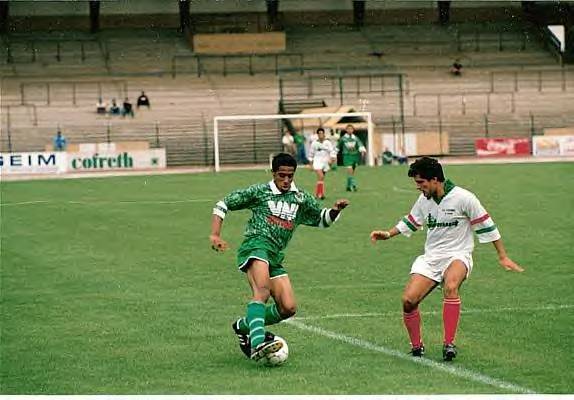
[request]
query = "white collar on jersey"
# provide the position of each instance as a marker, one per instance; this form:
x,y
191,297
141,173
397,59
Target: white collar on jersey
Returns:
x,y
276,190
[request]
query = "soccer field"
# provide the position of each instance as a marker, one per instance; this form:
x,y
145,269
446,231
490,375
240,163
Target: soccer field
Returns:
x,y
109,286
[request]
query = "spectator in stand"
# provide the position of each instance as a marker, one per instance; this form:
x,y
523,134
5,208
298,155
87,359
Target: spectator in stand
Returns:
x,y
401,157
114,108
387,157
456,68
127,108
143,100
101,107
301,157
59,141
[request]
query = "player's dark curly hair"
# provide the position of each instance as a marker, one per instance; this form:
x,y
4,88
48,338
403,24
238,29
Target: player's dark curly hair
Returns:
x,y
283,160
426,168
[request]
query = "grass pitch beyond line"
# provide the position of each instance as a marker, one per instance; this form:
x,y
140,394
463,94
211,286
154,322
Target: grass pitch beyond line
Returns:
x,y
110,287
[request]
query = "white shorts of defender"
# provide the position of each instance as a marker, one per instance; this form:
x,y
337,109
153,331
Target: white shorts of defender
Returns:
x,y
321,165
434,268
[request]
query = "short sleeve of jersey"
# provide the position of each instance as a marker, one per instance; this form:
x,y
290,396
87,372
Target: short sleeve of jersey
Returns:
x,y
413,221
482,225
237,200
362,147
333,150
313,215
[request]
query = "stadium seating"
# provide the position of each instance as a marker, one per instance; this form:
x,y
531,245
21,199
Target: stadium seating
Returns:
x,y
507,77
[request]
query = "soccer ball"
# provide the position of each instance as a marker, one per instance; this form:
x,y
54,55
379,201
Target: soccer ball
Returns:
x,y
279,357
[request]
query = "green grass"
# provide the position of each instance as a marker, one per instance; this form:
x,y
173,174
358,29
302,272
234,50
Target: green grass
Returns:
x,y
109,286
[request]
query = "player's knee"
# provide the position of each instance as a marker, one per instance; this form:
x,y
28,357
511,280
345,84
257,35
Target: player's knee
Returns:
x,y
450,289
261,293
288,310
409,304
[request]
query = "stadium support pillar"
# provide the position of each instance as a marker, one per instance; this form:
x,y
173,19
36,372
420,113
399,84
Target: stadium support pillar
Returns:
x,y
184,16
4,16
358,13
443,12
272,11
568,56
94,16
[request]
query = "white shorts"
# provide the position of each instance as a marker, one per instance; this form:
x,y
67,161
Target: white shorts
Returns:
x,y
434,268
321,165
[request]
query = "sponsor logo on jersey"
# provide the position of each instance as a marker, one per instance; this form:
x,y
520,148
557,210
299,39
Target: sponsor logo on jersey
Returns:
x,y
272,219
433,223
283,213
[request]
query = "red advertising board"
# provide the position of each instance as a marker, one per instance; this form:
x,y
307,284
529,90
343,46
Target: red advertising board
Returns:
x,y
489,147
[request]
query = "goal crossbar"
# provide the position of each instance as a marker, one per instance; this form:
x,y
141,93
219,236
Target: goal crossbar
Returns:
x,y
366,115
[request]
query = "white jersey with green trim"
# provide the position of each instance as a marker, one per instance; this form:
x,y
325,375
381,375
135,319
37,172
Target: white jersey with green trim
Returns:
x,y
450,222
321,154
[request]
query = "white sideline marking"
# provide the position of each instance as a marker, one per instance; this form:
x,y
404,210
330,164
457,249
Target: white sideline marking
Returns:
x,y
21,203
448,368
555,307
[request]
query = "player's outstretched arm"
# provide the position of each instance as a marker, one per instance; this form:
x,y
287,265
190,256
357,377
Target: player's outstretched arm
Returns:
x,y
339,206
384,235
217,243
504,260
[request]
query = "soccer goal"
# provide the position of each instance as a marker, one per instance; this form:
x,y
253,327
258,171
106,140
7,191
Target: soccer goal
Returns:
x,y
250,140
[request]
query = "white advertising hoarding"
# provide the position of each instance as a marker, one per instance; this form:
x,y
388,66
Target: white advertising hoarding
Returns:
x,y
553,145
83,161
33,163
114,160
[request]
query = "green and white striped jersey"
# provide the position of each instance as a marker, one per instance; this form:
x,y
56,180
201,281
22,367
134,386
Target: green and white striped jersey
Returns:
x,y
351,145
275,214
450,222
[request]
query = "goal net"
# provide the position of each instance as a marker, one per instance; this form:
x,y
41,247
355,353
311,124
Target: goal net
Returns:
x,y
251,140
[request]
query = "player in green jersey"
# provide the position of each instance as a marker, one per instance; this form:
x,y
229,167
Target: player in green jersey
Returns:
x,y
352,150
277,207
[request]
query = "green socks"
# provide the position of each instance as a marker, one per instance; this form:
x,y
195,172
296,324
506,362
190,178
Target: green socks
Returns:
x,y
256,320
272,317
351,182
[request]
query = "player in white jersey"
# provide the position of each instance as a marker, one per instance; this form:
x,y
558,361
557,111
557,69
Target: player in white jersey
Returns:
x,y
451,215
321,155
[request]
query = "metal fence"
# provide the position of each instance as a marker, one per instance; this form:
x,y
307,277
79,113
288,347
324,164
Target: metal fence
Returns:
x,y
237,64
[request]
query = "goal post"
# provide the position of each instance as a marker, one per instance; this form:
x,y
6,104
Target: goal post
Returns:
x,y
236,135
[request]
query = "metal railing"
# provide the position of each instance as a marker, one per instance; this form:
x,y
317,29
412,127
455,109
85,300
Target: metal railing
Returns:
x,y
536,79
47,87
458,104
241,63
477,40
341,86
32,47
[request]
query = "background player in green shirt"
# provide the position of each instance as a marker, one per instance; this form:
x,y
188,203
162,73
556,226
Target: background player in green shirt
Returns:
x,y
352,150
278,207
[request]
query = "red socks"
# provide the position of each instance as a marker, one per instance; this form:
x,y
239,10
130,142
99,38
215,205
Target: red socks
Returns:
x,y
450,316
412,322
320,189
